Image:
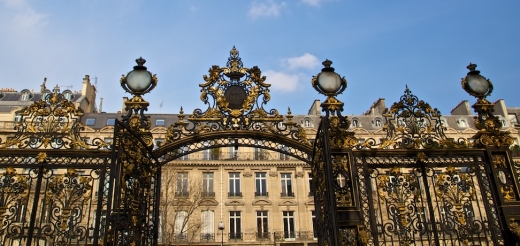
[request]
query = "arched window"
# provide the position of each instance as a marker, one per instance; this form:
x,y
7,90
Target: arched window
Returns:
x,y
355,123
462,123
26,96
68,95
377,123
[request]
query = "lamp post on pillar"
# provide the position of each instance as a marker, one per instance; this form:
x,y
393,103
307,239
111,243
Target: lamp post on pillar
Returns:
x,y
221,227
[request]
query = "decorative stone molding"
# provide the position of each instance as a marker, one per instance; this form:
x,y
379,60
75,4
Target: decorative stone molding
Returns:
x,y
273,173
247,174
299,174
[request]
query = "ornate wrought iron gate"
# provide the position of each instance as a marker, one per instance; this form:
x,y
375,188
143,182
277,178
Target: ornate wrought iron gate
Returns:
x,y
416,186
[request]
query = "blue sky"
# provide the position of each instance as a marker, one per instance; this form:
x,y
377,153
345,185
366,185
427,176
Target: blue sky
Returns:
x,y
379,46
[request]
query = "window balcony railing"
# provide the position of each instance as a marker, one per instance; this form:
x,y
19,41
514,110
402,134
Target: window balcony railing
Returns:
x,y
207,237
235,194
263,235
181,236
235,235
182,194
294,235
208,194
263,193
241,155
287,194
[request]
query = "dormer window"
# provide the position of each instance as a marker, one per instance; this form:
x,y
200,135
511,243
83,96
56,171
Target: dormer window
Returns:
x,y
26,96
355,123
111,122
307,122
159,122
377,123
68,95
46,96
462,123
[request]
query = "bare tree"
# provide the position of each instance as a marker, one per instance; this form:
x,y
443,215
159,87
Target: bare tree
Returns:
x,y
180,201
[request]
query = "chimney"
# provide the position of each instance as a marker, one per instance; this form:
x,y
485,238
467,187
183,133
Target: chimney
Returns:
x,y
101,105
42,87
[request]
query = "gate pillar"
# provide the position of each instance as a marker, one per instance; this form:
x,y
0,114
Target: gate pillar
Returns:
x,y
504,172
136,176
337,209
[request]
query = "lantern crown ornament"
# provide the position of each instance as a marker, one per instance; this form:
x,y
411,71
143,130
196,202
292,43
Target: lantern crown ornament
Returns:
x,y
330,84
476,84
490,132
139,81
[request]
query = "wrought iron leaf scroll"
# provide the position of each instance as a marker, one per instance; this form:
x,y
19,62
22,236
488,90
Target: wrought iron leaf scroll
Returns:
x,y
235,97
51,123
413,124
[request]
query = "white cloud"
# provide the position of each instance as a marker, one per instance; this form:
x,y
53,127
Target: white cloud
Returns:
x,y
306,61
282,81
23,16
265,9
312,2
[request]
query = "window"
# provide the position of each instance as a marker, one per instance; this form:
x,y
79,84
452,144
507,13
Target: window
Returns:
x,y
207,228
284,157
184,150
26,96
259,152
377,123
286,185
443,123
504,122
462,123
355,123
159,122
311,185
262,225
261,184
67,95
182,185
158,142
46,96
207,185
109,142
307,123
90,122
17,118
288,225
180,228
111,122
234,184
512,119
314,225
232,153
235,231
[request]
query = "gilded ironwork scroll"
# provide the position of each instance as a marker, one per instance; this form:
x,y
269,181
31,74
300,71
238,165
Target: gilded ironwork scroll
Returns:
x,y
427,199
50,123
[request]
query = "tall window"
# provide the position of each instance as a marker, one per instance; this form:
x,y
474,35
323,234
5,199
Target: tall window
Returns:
x,y
180,228
259,152
207,227
311,185
235,231
184,150
182,185
261,184
262,225
314,225
207,185
234,184
307,123
26,96
232,153
288,225
286,185
283,156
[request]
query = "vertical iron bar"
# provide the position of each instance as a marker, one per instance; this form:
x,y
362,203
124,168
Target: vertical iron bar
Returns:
x,y
35,205
371,209
157,203
330,202
429,201
101,194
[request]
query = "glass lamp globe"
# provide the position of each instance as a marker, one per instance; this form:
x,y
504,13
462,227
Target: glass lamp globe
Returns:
x,y
139,80
477,84
221,226
329,82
